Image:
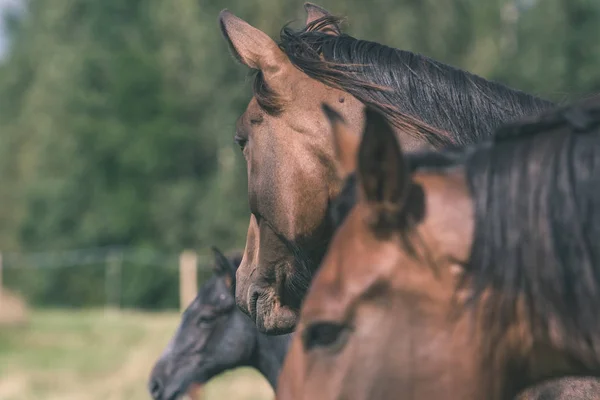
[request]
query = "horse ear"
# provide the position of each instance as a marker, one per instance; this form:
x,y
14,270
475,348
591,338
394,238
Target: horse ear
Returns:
x,y
345,142
251,46
314,12
223,266
236,260
382,170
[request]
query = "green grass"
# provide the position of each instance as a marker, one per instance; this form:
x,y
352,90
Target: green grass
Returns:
x,y
87,355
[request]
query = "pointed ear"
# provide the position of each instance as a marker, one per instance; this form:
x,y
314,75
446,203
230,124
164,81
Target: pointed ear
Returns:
x,y
223,266
382,171
251,46
345,142
236,259
314,12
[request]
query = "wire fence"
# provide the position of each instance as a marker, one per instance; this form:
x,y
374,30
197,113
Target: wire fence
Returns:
x,y
87,256
111,276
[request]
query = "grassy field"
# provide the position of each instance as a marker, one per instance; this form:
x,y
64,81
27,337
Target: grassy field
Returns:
x,y
75,355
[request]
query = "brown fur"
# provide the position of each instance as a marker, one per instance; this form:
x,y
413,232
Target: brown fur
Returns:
x,y
386,313
292,172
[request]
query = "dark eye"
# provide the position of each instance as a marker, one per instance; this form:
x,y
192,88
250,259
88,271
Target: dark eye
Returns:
x,y
206,319
240,141
328,335
256,120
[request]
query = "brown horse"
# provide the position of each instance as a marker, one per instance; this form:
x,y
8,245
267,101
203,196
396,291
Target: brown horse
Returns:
x,y
459,275
287,146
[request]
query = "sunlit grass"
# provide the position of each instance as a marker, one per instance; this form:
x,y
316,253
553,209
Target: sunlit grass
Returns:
x,y
91,355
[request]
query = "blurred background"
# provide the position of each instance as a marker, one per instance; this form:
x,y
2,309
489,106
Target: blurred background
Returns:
x,y
116,154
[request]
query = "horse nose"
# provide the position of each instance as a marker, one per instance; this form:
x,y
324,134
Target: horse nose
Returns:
x,y
156,388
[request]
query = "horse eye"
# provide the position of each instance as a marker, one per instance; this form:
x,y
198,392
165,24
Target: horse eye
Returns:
x,y
240,141
329,335
205,319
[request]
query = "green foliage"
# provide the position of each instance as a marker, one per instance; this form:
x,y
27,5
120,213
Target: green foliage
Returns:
x,y
133,284
117,117
118,136
78,286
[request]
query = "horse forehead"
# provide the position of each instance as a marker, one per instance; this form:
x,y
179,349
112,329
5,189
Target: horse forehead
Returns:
x,y
299,80
350,268
327,298
356,251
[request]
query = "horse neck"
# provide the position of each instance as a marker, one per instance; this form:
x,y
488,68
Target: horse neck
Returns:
x,y
269,354
468,106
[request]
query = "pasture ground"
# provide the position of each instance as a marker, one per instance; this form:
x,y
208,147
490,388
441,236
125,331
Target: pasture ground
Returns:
x,y
93,355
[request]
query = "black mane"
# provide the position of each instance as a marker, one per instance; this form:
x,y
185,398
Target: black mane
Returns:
x,y
534,267
536,194
406,86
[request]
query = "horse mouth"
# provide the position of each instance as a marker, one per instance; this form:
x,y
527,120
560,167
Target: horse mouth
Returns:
x,y
272,317
176,385
184,391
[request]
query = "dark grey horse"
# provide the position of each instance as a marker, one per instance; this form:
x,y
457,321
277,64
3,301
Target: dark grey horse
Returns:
x,y
215,336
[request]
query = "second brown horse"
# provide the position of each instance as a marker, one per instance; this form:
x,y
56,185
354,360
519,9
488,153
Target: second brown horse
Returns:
x,y
462,275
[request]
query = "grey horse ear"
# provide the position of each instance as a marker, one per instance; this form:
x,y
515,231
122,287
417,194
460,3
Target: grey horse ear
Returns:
x,y
315,12
223,266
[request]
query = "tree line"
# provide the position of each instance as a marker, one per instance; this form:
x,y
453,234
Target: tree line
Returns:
x,y
117,117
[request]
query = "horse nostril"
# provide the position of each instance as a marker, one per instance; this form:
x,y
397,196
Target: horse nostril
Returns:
x,y
252,305
155,388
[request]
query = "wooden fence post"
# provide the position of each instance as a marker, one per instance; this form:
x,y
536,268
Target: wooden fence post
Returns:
x,y
112,288
188,278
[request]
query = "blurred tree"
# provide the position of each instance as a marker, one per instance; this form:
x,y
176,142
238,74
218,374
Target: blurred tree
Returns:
x,y
119,131
556,48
